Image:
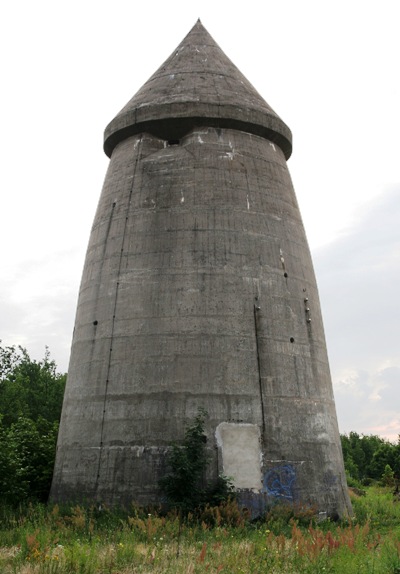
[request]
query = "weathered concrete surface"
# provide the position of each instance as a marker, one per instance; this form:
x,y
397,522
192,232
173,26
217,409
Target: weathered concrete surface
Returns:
x,y
198,291
197,85
240,451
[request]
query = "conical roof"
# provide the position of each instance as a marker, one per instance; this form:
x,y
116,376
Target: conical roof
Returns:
x,y
197,85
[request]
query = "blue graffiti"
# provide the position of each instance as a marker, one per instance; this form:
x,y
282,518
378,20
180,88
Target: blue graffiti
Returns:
x,y
279,482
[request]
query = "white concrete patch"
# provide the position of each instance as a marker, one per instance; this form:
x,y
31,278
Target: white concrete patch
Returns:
x,y
241,454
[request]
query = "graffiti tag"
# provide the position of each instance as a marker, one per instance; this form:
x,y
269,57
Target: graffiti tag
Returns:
x,y
279,482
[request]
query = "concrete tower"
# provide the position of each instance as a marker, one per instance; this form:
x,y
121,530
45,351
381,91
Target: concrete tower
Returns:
x,y
198,291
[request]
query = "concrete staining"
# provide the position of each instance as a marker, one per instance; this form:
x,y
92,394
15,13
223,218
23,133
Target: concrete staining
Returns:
x,y
198,291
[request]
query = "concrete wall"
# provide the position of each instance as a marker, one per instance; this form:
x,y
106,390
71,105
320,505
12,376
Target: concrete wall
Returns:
x,y
198,291
240,448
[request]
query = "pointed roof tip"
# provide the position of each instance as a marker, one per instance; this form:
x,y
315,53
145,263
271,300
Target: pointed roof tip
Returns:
x,y
197,85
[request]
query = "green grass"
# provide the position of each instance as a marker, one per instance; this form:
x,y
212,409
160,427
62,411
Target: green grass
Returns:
x,y
52,540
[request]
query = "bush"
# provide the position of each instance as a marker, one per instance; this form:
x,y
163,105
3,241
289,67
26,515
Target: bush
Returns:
x,y
31,395
184,485
387,476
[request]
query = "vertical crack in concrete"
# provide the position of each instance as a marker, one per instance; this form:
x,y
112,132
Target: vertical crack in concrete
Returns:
x,y
114,316
256,310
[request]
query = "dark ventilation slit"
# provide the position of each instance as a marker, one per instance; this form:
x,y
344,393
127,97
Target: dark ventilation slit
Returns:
x,y
173,142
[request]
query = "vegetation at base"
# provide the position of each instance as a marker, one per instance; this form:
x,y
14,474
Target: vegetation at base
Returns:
x,y
39,539
31,394
185,485
216,535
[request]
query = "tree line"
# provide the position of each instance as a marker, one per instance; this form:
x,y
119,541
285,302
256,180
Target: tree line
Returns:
x,y
370,458
31,395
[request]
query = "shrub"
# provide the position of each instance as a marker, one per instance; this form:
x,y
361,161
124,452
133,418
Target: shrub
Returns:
x,y
184,485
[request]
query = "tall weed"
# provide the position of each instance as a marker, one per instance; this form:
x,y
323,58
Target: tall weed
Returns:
x,y
93,540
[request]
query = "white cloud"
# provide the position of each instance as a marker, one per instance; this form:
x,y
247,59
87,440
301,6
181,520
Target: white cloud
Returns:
x,y
71,66
358,277
38,302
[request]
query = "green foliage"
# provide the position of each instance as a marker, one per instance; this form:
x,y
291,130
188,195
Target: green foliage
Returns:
x,y
383,456
185,485
379,509
281,516
36,539
388,476
31,394
366,456
29,388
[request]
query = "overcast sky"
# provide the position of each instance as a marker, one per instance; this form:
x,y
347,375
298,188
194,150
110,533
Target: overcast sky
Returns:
x,y
329,69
